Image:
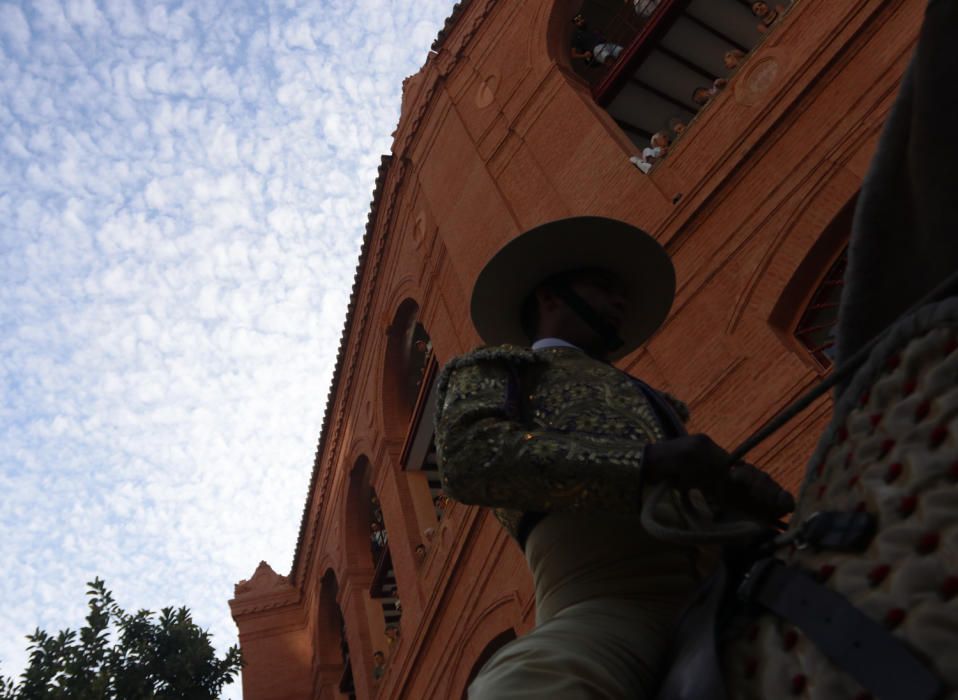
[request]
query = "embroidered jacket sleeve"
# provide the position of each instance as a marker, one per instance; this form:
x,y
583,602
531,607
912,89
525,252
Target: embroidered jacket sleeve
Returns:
x,y
496,451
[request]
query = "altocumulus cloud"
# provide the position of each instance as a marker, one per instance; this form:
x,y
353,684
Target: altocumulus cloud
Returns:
x,y
183,188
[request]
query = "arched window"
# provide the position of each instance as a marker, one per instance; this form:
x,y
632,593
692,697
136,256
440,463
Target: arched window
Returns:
x,y
419,447
368,540
816,328
332,646
411,372
384,587
654,64
408,351
806,314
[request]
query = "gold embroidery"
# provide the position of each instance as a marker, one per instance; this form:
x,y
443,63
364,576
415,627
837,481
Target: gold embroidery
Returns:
x,y
575,445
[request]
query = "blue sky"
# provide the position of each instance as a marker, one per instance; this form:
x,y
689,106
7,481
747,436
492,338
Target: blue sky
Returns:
x,y
183,187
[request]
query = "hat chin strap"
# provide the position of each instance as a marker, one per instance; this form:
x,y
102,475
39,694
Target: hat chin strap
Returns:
x,y
611,340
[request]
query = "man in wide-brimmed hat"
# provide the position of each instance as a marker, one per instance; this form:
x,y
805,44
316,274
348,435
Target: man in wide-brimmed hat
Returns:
x,y
561,443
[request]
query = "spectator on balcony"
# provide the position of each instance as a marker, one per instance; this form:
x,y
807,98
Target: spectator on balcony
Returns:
x,y
702,95
657,149
642,165
766,15
645,8
392,635
591,46
379,665
677,126
733,59
420,553
440,502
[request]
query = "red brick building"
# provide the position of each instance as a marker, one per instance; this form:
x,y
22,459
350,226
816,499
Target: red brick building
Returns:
x,y
502,130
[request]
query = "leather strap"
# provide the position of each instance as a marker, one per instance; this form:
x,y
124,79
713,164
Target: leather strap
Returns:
x,y
854,642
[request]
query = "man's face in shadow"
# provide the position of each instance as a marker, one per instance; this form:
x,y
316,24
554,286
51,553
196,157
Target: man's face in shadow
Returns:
x,y
602,291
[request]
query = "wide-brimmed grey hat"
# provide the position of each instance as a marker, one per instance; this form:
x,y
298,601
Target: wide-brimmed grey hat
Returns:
x,y
580,242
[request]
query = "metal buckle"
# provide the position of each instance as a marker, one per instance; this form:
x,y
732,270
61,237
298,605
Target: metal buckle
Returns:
x,y
801,540
843,531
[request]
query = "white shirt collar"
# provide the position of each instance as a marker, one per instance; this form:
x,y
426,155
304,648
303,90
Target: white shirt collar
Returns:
x,y
543,343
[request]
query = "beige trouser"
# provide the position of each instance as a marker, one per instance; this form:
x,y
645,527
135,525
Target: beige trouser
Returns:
x,y
607,599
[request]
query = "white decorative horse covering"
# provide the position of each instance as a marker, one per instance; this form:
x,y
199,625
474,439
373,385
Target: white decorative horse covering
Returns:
x,y
891,450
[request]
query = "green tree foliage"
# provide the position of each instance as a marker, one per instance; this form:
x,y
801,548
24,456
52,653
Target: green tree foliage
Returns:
x,y
121,656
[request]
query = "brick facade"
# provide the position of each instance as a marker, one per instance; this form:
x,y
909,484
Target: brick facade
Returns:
x,y
498,133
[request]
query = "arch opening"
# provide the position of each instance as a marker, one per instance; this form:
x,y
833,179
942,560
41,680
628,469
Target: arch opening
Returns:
x,y
368,542
806,314
408,350
411,374
384,587
332,646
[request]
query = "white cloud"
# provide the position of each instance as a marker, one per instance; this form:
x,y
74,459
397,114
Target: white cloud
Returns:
x,y
125,17
300,36
14,28
84,14
183,188
157,20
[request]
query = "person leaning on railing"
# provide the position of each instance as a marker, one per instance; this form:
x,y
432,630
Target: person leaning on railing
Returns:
x,y
766,15
591,46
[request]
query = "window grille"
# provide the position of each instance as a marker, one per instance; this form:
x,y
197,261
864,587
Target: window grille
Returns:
x,y
817,326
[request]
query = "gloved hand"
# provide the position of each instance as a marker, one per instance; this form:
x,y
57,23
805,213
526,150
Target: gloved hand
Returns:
x,y
696,462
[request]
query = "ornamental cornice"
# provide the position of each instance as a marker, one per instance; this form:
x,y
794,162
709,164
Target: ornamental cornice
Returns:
x,y
445,61
239,609
380,218
264,590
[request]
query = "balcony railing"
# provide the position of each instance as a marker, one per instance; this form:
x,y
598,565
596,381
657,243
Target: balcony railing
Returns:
x,y
419,449
419,432
679,49
378,542
384,580
385,589
638,37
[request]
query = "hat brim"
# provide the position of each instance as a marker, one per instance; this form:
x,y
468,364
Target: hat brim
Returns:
x,y
629,253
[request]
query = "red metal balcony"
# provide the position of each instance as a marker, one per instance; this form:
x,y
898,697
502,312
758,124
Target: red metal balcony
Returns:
x,y
419,449
679,47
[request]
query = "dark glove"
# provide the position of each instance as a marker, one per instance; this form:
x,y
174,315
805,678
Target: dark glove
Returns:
x,y
696,462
